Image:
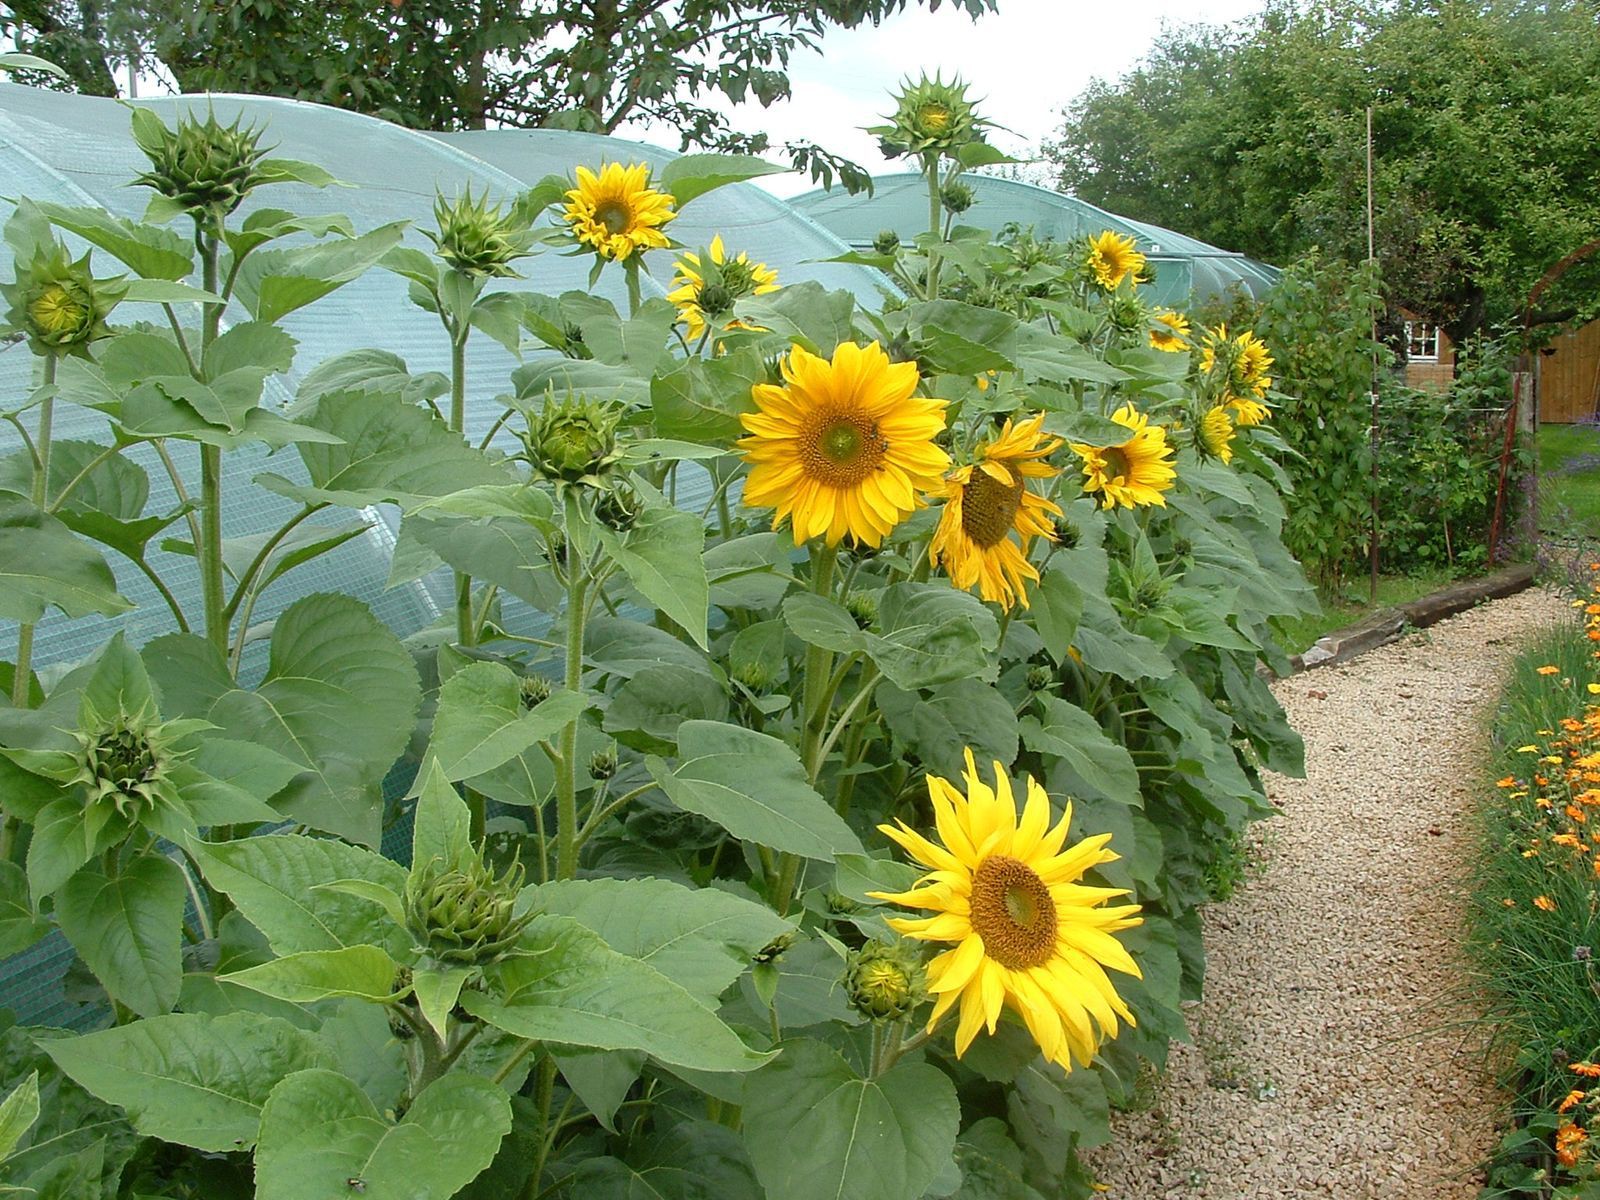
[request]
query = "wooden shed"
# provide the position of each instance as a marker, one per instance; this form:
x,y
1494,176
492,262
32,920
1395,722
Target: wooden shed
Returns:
x,y
1568,375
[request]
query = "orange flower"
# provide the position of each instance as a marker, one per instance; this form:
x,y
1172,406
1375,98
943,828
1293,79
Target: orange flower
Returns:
x,y
1569,1144
1587,1069
1573,1098
1509,781
1509,902
1544,903
1549,670
1577,814
1567,839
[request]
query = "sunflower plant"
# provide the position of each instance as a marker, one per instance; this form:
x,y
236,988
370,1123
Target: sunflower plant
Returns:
x,y
839,712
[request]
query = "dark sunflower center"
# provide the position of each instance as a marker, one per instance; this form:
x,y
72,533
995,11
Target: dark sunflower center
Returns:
x,y
989,507
1117,465
841,451
615,215
1013,913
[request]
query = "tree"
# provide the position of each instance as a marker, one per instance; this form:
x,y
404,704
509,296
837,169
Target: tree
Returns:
x,y
1253,136
468,64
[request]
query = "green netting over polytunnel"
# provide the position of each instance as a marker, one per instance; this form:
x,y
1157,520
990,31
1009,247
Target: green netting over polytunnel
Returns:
x,y
1186,270
79,150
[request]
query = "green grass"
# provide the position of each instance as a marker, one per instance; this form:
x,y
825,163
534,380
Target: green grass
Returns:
x,y
1350,605
1569,480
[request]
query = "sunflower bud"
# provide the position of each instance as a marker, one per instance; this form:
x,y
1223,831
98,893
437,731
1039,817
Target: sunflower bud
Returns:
x,y
839,904
887,241
603,764
1068,535
205,166
535,690
619,508
124,764
1039,678
573,345
863,606
774,950
957,197
58,304
753,675
573,441
464,915
883,982
931,117
478,240
1127,314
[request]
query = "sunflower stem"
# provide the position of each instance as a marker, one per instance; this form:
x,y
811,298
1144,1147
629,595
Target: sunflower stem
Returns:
x,y
41,489
631,270
935,232
208,550
458,424
567,832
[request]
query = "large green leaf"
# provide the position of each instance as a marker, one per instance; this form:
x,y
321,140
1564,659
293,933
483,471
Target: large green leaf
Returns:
x,y
931,634
18,1111
128,928
1051,1110
695,1160
391,450
365,972
372,371
339,698
20,925
663,557
1098,765
938,726
755,787
42,565
273,283
806,313
568,986
190,1078
481,721
818,1131
691,175
274,881
507,552
322,1138
647,711
148,251
702,939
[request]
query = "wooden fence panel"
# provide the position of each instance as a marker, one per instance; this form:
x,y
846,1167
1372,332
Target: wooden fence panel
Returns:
x,y
1569,377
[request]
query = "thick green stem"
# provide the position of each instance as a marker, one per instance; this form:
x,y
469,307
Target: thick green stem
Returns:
x,y
208,552
816,700
41,490
546,1090
567,832
465,633
935,227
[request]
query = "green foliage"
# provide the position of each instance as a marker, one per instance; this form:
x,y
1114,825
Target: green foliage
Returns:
x,y
629,976
1253,136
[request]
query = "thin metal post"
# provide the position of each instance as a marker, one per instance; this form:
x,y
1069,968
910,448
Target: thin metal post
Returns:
x,y
1372,587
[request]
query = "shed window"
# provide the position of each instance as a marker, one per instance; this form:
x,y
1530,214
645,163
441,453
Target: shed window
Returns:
x,y
1422,341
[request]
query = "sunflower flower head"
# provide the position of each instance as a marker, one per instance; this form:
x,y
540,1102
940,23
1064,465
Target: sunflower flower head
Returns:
x,y
124,764
617,213
1006,894
1133,472
707,285
58,303
1214,435
1170,332
1237,369
203,166
1111,258
930,117
842,446
986,503
883,980
572,441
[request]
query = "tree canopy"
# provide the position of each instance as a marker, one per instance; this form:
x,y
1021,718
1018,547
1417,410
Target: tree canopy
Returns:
x,y
1253,136
466,64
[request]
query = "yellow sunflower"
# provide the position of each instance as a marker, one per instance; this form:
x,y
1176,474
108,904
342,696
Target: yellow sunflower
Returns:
x,y
1113,258
1025,931
733,279
1247,410
1243,361
1134,472
1216,434
1170,332
1254,362
617,212
985,503
843,447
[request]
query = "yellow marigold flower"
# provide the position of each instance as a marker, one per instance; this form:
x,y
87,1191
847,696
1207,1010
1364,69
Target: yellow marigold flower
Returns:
x,y
700,303
1574,1098
1569,1144
843,447
1025,932
1216,434
1544,903
1134,472
1549,670
987,502
617,212
1113,258
1170,332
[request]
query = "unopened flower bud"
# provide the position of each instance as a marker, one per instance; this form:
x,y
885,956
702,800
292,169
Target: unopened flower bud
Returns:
x,y
887,241
205,166
863,606
883,982
603,764
478,240
535,690
1040,678
957,197
572,441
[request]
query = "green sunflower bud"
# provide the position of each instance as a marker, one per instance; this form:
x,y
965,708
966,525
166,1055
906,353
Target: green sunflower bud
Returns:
x,y
1039,678
535,690
603,764
957,197
716,299
478,240
863,606
619,508
887,241
464,915
573,345
753,675
58,304
883,982
124,764
573,441
839,904
774,950
931,117
1127,314
1067,533
205,166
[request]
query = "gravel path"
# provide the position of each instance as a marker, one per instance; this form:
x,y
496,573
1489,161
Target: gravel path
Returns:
x,y
1328,1058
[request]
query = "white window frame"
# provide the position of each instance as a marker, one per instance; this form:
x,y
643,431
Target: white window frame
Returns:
x,y
1420,335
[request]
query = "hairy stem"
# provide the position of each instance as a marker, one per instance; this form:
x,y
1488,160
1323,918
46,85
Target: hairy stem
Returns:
x,y
567,832
41,487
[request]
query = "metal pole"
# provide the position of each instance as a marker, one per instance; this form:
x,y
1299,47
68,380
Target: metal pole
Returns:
x,y
1372,587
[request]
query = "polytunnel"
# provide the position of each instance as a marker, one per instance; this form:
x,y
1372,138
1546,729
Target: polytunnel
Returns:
x,y
78,150
1186,270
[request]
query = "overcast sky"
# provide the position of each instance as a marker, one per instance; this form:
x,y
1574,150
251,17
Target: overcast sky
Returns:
x,y
1028,60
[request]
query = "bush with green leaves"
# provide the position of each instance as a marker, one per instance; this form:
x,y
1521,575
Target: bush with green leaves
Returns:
x,y
655,754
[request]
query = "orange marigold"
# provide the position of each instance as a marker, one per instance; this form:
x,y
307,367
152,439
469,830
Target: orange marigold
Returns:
x,y
1574,1097
1587,1069
1569,1144
1544,903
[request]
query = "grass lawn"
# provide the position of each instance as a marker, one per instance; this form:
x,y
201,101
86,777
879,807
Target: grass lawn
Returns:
x,y
1569,480
1350,605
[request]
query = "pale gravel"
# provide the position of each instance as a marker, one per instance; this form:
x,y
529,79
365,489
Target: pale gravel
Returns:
x,y
1335,1052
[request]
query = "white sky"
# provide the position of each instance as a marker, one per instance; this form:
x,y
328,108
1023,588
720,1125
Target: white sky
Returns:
x,y
1027,61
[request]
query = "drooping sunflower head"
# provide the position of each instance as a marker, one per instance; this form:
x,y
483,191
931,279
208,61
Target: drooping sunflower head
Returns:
x,y
1113,257
1214,435
1170,332
705,292
1133,472
930,117
1237,366
1006,892
986,503
1247,410
617,213
842,446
